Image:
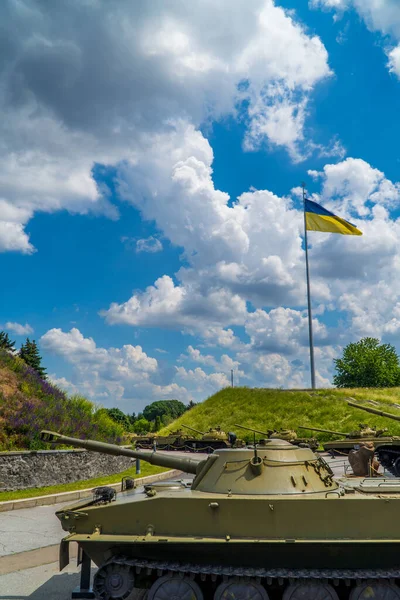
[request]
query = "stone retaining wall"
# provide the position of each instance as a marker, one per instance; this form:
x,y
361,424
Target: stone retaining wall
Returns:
x,y
22,470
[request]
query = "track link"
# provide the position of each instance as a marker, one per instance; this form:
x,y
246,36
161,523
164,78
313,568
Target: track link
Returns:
x,y
282,575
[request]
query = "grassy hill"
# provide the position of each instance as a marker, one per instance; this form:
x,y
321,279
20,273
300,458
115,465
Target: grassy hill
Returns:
x,y
29,404
281,409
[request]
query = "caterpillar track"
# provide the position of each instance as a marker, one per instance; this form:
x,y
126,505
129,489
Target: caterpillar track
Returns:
x,y
204,582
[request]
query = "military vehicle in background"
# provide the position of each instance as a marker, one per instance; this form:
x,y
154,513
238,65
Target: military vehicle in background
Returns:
x,y
176,440
138,439
387,448
213,439
262,522
284,434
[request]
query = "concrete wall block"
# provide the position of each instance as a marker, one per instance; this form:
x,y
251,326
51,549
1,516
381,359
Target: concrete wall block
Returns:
x,y
29,470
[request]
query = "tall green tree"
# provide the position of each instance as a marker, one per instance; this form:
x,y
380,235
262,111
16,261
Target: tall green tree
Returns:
x,y
117,415
5,342
142,426
164,408
29,352
367,363
157,423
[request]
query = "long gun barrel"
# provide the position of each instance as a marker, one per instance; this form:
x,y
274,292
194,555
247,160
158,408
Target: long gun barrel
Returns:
x,y
188,465
374,411
193,429
253,430
325,431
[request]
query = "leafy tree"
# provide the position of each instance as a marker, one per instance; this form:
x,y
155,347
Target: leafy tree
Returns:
x,y
5,342
119,417
29,352
161,408
158,423
142,426
367,363
132,419
191,405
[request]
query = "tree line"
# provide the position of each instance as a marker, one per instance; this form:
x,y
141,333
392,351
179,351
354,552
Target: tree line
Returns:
x,y
29,352
154,416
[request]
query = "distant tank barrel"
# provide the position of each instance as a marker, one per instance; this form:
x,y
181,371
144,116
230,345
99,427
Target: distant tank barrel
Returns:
x,y
188,465
193,429
374,411
253,430
325,431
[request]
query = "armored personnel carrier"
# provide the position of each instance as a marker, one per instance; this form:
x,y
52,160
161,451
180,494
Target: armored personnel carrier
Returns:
x,y
213,439
142,440
352,438
176,440
284,434
387,448
255,523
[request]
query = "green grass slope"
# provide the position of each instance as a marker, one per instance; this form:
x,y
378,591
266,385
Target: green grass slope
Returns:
x,y
265,409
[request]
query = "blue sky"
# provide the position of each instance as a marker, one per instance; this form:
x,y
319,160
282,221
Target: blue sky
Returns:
x,y
150,210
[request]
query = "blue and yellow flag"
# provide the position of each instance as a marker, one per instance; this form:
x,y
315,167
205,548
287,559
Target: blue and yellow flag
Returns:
x,y
320,219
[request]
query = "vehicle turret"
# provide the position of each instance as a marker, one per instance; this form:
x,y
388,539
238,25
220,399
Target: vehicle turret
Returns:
x,y
233,470
215,436
284,434
364,432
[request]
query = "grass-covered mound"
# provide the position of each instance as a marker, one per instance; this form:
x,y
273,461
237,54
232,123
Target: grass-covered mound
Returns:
x,y
278,409
29,404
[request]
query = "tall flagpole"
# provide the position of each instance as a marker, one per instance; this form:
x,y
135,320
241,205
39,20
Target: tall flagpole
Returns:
x,y
310,331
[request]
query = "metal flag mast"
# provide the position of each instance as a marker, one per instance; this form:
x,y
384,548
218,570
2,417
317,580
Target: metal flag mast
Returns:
x,y
310,330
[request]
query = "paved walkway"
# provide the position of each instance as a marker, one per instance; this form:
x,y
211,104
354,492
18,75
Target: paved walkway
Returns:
x,y
29,528
43,583
40,583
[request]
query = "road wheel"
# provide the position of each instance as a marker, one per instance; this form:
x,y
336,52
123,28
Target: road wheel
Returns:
x,y
375,591
240,590
310,591
173,587
113,582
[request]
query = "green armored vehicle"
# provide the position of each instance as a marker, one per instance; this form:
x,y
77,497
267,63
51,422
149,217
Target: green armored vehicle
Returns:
x,y
256,523
176,440
213,439
352,438
284,434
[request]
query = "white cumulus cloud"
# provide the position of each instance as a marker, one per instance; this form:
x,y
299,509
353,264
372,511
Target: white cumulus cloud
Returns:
x,y
18,328
382,16
86,85
150,244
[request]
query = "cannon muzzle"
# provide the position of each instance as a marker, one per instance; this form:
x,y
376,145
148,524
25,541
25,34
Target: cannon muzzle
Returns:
x,y
188,465
374,411
325,431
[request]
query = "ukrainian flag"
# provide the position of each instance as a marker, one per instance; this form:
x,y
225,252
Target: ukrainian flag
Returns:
x,y
320,219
